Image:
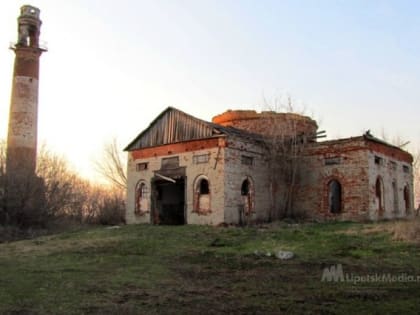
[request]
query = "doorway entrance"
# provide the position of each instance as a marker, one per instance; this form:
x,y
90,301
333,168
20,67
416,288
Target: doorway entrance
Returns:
x,y
168,201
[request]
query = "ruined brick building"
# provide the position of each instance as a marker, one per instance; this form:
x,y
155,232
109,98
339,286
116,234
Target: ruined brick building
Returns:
x,y
183,170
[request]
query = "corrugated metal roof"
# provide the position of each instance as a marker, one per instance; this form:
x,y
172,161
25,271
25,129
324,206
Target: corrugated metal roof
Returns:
x,y
173,125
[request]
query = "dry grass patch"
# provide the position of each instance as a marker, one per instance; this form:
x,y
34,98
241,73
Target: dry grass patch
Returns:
x,y
52,244
400,230
408,231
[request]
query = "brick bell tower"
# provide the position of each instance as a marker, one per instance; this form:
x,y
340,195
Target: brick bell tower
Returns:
x,y
23,119
24,194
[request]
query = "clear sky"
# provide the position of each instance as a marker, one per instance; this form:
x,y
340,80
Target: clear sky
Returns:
x,y
113,66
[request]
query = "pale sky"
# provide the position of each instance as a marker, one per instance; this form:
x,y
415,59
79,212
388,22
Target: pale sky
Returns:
x,y
113,66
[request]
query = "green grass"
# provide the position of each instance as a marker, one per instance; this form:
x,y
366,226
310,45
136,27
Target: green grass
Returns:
x,y
144,269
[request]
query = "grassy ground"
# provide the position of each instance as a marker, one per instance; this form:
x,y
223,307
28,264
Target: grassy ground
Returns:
x,y
147,269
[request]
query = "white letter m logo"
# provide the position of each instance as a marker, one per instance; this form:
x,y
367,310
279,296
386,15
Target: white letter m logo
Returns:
x,y
334,273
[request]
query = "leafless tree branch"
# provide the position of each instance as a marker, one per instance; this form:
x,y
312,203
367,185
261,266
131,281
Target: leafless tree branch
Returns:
x,y
111,166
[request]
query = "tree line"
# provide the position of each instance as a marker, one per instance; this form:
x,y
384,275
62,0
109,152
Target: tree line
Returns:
x,y
66,196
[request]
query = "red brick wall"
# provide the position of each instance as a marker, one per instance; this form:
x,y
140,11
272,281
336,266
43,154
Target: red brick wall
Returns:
x,y
356,172
176,148
351,173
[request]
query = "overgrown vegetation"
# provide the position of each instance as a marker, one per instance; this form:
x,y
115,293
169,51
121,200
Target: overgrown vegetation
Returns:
x,y
285,144
405,230
65,198
144,269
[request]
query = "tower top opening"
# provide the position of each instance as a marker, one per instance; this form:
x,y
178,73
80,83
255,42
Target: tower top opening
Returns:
x,y
29,11
29,26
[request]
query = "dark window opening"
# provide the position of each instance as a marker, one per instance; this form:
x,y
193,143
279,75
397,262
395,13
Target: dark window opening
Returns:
x,y
247,206
407,200
204,187
245,187
379,160
332,161
406,169
334,196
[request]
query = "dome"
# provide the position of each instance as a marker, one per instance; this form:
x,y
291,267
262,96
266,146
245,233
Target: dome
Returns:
x,y
268,123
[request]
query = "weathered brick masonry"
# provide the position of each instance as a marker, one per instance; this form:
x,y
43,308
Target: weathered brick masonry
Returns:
x,y
212,173
267,123
24,191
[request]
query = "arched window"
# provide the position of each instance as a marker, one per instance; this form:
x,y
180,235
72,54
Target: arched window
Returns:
x,y
141,199
334,196
202,196
407,200
379,193
247,193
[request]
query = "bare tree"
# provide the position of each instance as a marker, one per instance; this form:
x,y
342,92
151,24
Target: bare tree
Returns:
x,y
65,195
112,167
395,140
285,144
69,196
105,205
64,189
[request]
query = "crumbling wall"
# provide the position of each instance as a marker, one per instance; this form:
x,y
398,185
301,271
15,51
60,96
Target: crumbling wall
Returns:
x,y
268,123
356,164
246,160
393,167
200,158
345,162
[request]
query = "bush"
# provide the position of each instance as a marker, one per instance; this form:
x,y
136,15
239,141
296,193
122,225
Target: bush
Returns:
x,y
104,206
